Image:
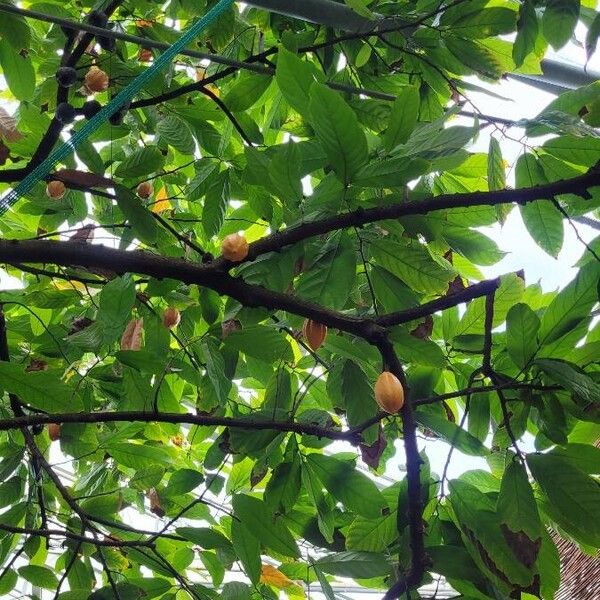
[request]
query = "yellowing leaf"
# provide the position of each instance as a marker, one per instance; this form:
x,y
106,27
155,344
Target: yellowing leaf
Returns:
x,y
132,336
272,576
162,202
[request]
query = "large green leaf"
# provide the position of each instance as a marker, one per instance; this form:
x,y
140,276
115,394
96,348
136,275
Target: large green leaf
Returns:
x,y
572,379
359,400
294,78
559,20
527,32
39,576
522,326
358,565
516,504
141,162
403,117
330,278
43,390
263,525
247,547
573,493
353,489
414,265
338,130
177,133
453,434
18,70
260,341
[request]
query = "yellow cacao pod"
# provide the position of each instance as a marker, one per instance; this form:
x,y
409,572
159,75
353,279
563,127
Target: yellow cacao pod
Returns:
x,y
96,80
171,317
389,393
54,431
314,333
55,189
145,190
234,247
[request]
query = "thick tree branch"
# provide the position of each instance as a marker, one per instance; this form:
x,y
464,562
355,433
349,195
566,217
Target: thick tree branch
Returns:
x,y
414,510
180,418
63,533
577,185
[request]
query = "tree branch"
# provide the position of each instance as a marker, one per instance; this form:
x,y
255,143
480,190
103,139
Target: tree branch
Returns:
x,y
413,476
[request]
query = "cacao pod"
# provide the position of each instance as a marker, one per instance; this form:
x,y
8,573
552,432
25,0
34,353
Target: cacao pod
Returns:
x,y
145,190
171,317
55,189
314,333
389,393
234,247
54,431
96,80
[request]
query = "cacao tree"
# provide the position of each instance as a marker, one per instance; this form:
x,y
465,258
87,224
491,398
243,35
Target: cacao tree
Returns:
x,y
198,302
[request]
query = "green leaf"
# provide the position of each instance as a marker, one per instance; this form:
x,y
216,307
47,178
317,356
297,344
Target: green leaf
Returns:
x,y
246,92
18,71
8,582
115,305
496,173
584,151
583,456
247,547
353,489
522,326
206,537
516,504
566,375
476,56
571,305
215,204
359,400
294,78
215,368
43,390
591,39
411,349
143,223
403,117
342,137
285,174
559,20
139,456
260,341
478,423
331,276
527,33
453,434
372,535
142,162
573,493
261,523
177,133
391,172
414,265
358,565
183,481
15,31
39,576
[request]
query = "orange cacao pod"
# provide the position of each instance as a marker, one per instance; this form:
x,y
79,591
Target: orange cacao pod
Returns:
x,y
314,333
145,190
55,189
54,431
171,317
234,247
389,393
96,80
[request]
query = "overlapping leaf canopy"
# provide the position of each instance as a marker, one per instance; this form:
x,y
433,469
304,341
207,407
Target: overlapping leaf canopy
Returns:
x,y
221,456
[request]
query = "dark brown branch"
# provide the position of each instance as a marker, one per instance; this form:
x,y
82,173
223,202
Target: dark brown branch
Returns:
x,y
227,112
111,542
88,255
297,233
404,316
486,365
414,511
178,418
